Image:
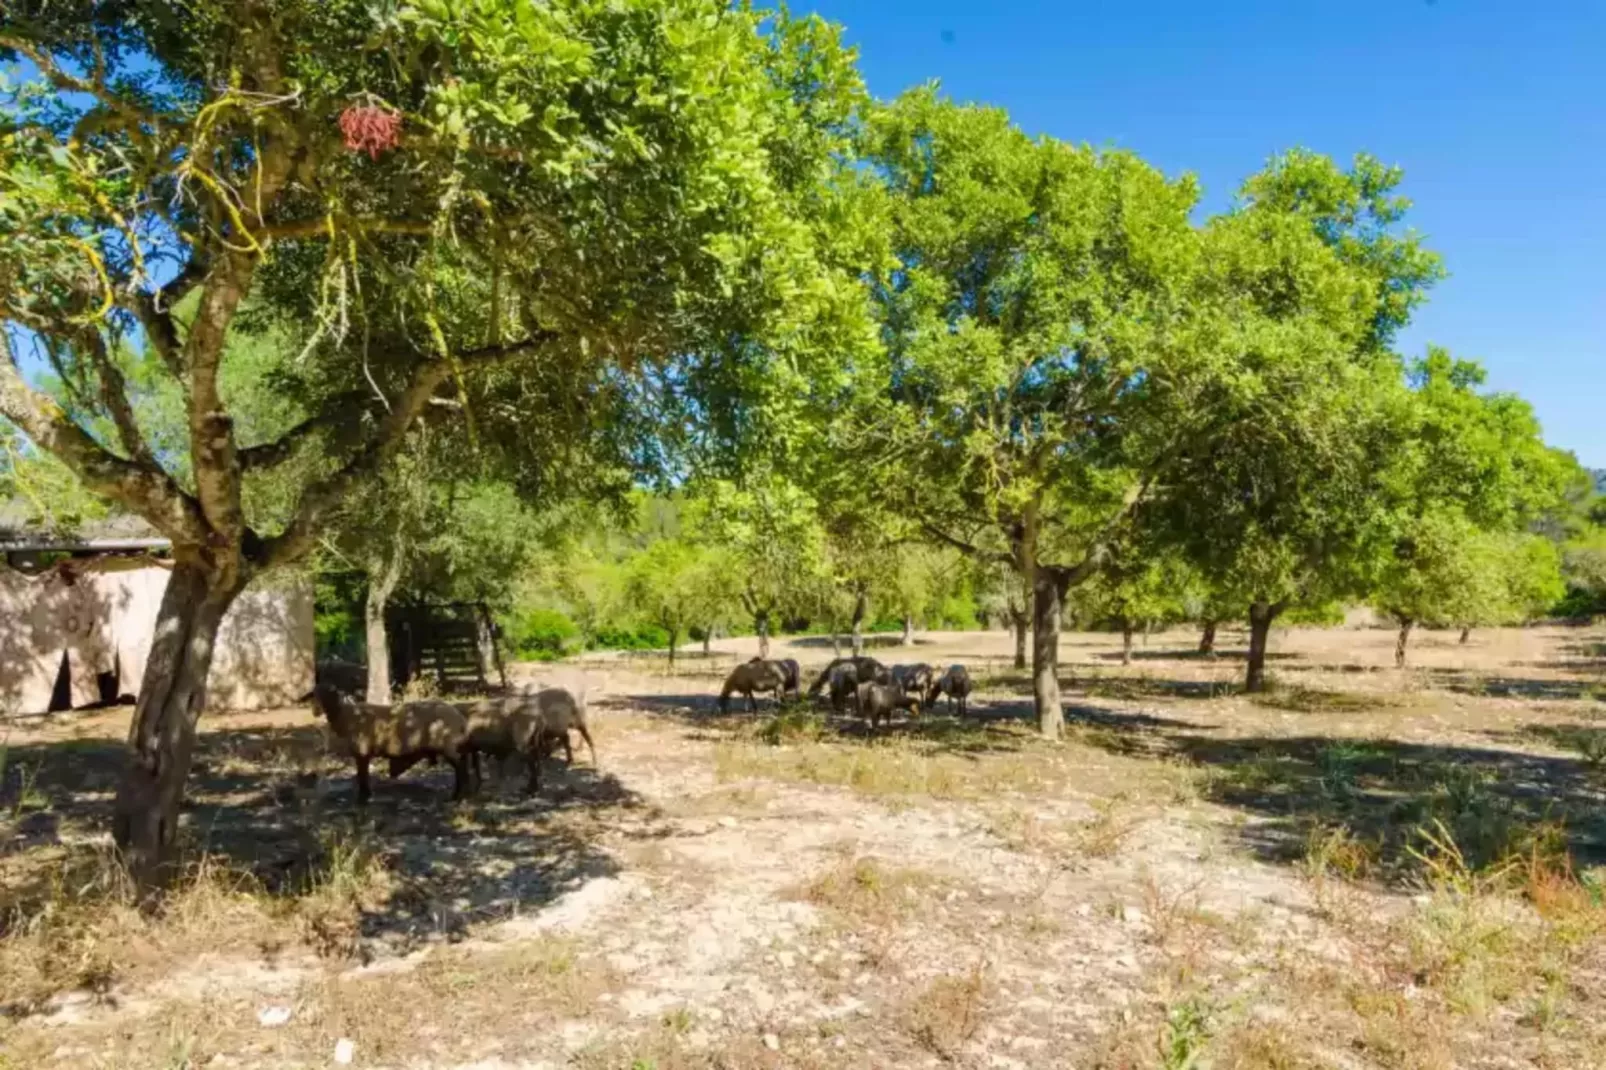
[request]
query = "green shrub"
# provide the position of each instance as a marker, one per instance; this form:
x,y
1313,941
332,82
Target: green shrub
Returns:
x,y
1579,604
541,634
640,637
1326,615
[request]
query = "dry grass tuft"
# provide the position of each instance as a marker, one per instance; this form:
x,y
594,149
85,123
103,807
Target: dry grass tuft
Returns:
x,y
949,1012
869,892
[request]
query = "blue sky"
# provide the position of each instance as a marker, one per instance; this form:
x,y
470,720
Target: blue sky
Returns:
x,y
1496,110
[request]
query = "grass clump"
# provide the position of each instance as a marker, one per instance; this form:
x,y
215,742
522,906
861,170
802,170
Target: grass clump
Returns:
x,y
949,1012
794,724
868,891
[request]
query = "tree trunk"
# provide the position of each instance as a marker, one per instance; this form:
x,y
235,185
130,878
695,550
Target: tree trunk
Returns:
x,y
1046,596
380,586
708,639
836,639
674,641
1261,614
761,625
1126,642
1406,624
1207,638
1466,633
161,739
861,605
908,630
1148,626
1022,621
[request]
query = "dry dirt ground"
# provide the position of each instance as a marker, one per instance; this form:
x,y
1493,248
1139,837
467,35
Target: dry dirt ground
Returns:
x,y
1365,868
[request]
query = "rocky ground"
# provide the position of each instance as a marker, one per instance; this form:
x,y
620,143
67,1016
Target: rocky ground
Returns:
x,y
1367,868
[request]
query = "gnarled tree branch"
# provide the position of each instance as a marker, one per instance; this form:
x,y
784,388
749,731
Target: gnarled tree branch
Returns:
x,y
337,410
155,314
95,87
145,490
299,535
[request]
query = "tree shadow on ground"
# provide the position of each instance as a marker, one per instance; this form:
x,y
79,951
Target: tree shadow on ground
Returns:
x,y
1118,687
1586,656
1192,654
276,807
1384,793
985,729
1025,713
1463,682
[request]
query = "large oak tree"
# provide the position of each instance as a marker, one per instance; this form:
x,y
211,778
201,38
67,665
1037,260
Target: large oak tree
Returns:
x,y
419,193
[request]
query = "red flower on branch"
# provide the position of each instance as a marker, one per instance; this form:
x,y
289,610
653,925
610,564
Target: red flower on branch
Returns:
x,y
371,129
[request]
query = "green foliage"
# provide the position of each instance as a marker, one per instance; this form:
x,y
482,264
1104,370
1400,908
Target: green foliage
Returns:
x,y
639,637
1026,382
338,613
538,634
1318,615
43,491
1140,586
1584,572
1283,499
1472,476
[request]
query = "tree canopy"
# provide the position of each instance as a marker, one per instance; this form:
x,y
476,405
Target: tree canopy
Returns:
x,y
620,198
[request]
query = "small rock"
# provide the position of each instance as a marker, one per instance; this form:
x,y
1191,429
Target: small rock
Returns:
x,y
788,960
1083,910
270,1017
772,1042
345,1051
727,822
840,1042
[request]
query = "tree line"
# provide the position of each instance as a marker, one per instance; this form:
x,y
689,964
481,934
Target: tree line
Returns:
x,y
393,286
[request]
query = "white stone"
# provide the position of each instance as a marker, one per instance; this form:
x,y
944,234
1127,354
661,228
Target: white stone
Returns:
x,y
345,1051
772,1042
270,1017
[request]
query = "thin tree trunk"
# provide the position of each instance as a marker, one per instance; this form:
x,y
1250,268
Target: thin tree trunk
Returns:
x,y
1046,653
761,625
708,639
861,605
908,630
674,641
161,739
1406,624
1466,633
1148,626
1126,641
1261,614
1022,621
836,640
493,644
380,587
1207,638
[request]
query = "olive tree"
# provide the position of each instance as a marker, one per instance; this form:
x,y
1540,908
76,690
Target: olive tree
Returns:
x,y
421,194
